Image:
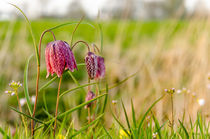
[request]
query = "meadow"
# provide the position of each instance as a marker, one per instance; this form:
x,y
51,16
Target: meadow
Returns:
x,y
157,82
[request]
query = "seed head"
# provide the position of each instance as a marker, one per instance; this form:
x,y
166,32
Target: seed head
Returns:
x,y
90,95
58,57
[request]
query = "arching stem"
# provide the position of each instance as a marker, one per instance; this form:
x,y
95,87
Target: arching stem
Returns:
x,y
57,102
80,41
95,48
37,79
76,29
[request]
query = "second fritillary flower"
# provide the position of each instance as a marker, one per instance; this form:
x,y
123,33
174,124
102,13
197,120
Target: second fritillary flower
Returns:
x,y
95,66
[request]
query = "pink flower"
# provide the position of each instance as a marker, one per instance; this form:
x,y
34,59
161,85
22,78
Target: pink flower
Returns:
x,y
95,66
91,64
90,95
100,73
58,57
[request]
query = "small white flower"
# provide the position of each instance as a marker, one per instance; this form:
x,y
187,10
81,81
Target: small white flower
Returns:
x,y
6,92
201,102
114,101
13,93
208,86
22,101
33,99
154,135
179,91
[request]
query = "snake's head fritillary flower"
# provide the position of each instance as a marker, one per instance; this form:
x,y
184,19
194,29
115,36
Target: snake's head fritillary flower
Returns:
x,y
100,72
91,64
58,57
90,95
95,66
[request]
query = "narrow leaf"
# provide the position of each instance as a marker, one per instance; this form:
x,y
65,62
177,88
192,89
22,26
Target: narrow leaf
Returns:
x,y
126,116
85,127
185,130
107,132
37,120
73,89
31,31
120,82
4,133
144,116
121,125
25,84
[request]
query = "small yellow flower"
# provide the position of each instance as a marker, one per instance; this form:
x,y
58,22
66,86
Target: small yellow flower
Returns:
x,y
15,85
60,136
123,134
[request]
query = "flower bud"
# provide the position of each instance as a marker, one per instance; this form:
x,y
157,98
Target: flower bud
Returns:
x,y
90,95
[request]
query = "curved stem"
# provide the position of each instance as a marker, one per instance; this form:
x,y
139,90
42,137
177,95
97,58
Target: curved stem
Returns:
x,y
95,46
76,29
56,110
81,42
37,79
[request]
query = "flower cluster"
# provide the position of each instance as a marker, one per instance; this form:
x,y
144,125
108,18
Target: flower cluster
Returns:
x,y
14,85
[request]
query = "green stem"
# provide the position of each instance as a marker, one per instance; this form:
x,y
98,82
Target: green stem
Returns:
x,y
37,79
20,108
56,110
172,114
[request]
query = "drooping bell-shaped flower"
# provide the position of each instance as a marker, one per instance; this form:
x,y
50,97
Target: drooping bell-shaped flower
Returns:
x,y
95,66
58,57
90,95
91,64
100,73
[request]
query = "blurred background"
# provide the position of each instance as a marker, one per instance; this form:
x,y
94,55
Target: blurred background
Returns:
x,y
166,41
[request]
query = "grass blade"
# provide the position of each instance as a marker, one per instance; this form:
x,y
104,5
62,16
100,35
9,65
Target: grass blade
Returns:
x,y
4,133
48,83
106,99
133,115
70,23
25,84
87,126
185,130
54,78
31,32
101,35
76,82
126,116
142,120
157,125
81,105
37,120
121,125
73,89
120,82
107,132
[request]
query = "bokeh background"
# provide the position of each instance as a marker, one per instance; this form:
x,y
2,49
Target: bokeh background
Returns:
x,y
166,41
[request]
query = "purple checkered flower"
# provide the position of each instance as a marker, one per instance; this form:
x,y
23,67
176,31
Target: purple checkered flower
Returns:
x,y
90,95
95,66
59,57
